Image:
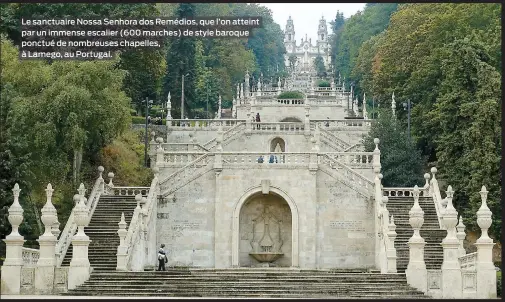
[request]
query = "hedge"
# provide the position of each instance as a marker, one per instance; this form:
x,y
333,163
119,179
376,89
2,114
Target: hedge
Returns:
x,y
322,83
291,95
142,120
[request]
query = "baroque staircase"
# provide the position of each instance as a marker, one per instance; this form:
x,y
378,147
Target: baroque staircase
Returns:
x,y
399,207
247,282
102,231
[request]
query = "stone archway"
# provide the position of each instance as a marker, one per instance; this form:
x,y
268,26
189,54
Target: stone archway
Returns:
x,y
251,205
277,141
265,231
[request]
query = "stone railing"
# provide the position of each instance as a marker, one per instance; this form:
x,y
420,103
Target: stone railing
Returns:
x,y
30,256
127,191
186,174
202,124
71,227
180,158
404,192
324,89
288,127
353,159
227,135
291,101
468,261
437,198
349,174
177,147
259,158
333,140
138,224
356,124
327,102
355,147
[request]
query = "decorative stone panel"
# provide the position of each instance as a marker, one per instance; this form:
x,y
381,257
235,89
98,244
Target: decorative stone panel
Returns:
x,y
27,280
60,280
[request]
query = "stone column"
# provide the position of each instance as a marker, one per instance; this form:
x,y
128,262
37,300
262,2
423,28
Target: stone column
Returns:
x,y
384,220
391,251
44,272
169,108
461,235
80,267
306,125
416,269
393,104
451,269
486,274
376,157
159,153
279,86
121,249
11,269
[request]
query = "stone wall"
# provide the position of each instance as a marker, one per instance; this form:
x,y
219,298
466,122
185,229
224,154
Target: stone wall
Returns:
x,y
185,223
345,230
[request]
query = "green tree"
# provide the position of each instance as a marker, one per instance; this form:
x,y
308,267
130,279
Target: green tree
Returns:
x,y
319,66
181,62
401,162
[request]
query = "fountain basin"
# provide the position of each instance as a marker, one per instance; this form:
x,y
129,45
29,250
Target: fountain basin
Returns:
x,y
266,257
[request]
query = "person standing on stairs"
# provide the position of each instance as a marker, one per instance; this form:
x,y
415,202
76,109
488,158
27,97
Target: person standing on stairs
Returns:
x,y
162,258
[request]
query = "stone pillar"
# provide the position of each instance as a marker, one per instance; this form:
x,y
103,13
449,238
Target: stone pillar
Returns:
x,y
461,235
426,187
242,91
258,92
80,267
376,157
102,182
391,251
44,272
279,86
169,108
121,249
11,269
247,87
486,274
365,113
451,269
219,110
111,176
160,154
384,220
416,269
238,93
306,125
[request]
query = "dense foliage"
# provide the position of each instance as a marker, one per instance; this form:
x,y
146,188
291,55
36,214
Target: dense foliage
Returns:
x,y
446,59
291,95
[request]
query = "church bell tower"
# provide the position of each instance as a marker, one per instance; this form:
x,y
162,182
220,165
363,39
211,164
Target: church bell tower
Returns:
x,y
289,36
322,41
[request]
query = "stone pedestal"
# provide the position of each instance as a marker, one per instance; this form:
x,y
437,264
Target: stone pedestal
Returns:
x,y
417,275
11,269
486,273
80,268
44,273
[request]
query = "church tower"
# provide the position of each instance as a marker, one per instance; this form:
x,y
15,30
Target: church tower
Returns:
x,y
322,41
289,36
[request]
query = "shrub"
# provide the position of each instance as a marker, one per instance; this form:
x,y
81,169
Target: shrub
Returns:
x,y
138,120
322,83
291,95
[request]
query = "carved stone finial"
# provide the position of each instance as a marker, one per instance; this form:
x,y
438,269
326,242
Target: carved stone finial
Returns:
x,y
427,180
122,223
484,217
111,176
416,217
49,215
15,212
376,141
450,217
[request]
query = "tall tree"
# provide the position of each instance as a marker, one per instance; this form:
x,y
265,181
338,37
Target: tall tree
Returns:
x,y
181,63
319,66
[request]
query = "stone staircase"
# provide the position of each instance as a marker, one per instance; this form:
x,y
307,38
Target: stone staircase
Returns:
x,y
102,231
399,207
249,282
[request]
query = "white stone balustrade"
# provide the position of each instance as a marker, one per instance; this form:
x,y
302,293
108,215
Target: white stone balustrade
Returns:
x,y
178,147
179,158
349,124
285,127
30,257
353,159
238,159
202,124
468,261
403,192
129,191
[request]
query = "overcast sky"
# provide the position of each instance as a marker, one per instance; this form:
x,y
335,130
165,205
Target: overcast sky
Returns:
x,y
306,16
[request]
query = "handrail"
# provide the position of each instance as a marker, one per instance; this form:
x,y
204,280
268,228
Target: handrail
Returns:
x,y
437,199
349,170
71,227
136,223
183,169
226,135
353,146
30,256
